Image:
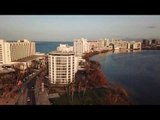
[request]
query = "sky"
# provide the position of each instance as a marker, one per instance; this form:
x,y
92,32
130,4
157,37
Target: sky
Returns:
x,y
70,27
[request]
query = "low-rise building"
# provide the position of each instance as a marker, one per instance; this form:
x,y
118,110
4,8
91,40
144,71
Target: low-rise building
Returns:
x,y
65,48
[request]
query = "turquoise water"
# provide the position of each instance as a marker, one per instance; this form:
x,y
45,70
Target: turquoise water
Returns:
x,y
138,72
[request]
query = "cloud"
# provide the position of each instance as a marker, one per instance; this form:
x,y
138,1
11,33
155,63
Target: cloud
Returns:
x,y
151,27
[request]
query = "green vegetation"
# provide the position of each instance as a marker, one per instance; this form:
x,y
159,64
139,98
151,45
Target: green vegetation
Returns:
x,y
78,99
96,96
92,88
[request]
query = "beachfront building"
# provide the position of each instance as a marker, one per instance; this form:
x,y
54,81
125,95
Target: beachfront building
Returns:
x,y
81,47
92,46
124,45
137,46
101,43
65,48
106,42
21,49
12,51
128,45
5,55
62,67
146,43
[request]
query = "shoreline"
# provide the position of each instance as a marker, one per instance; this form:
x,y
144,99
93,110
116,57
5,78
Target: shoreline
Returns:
x,y
103,82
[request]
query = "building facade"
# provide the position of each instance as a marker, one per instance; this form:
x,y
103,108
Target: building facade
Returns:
x,y
12,51
146,43
80,47
5,52
92,46
62,67
137,46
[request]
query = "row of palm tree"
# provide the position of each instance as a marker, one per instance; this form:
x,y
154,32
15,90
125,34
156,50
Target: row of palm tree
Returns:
x,y
80,87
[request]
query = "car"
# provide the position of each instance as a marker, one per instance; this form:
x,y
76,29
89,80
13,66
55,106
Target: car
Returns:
x,y
28,99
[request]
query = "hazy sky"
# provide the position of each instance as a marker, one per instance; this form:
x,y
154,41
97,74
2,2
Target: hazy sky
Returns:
x,y
69,27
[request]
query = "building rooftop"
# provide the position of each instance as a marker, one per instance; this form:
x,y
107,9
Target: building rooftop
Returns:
x,y
92,41
61,53
54,95
28,58
6,70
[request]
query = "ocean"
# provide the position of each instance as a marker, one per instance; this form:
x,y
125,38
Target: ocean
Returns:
x,y
138,72
46,47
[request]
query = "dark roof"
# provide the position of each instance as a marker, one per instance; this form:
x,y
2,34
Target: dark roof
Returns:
x,y
28,58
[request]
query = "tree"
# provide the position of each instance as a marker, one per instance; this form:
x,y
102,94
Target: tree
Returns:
x,y
72,91
79,88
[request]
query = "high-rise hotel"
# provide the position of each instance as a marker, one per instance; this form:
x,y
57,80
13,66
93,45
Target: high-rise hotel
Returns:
x,y
62,67
81,47
12,51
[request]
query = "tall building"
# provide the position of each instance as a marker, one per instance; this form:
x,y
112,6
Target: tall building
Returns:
x,y
62,67
101,43
12,51
146,43
154,42
106,42
128,45
124,45
137,46
80,47
92,45
5,56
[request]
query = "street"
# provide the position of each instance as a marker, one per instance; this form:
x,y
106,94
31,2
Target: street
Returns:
x,y
30,94
31,100
30,85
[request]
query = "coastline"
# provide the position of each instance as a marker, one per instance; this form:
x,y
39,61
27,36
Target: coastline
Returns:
x,y
92,88
117,95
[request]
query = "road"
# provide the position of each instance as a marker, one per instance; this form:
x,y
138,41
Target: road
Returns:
x,y
30,94
31,88
31,91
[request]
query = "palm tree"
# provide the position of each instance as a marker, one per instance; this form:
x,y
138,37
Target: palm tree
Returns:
x,y
85,87
79,88
72,90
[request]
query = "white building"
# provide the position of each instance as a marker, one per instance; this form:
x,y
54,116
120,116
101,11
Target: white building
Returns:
x,y
137,46
92,45
124,45
12,51
101,43
106,42
65,48
5,55
80,47
62,67
39,53
128,45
